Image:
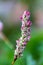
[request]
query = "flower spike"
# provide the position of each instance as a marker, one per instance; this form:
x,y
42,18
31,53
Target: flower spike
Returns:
x,y
25,35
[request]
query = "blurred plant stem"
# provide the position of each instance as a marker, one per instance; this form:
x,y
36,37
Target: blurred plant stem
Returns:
x,y
5,39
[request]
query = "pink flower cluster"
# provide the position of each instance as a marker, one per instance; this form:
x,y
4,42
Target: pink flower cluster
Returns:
x,y
25,34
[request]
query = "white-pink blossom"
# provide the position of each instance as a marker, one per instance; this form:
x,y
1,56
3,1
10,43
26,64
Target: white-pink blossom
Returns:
x,y
1,26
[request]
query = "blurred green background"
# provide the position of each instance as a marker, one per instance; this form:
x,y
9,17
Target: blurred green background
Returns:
x,y
10,12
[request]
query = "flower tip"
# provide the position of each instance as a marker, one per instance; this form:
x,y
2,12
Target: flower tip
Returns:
x,y
27,12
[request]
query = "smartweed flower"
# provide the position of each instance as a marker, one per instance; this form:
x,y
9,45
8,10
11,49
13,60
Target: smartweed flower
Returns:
x,y
25,35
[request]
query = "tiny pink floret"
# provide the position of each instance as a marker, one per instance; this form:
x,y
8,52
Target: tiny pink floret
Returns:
x,y
24,43
29,37
27,12
29,23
